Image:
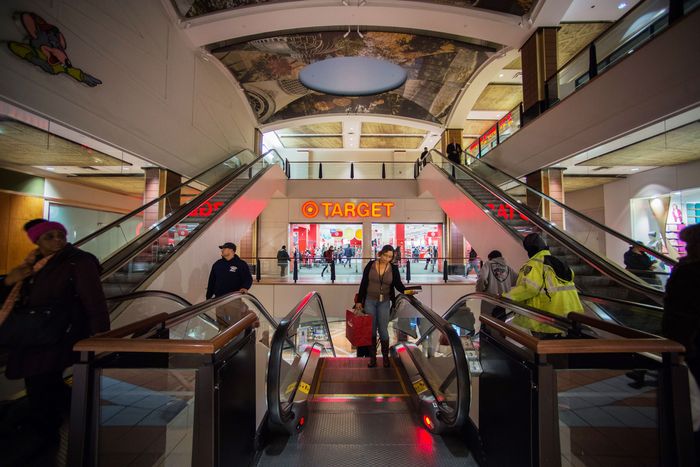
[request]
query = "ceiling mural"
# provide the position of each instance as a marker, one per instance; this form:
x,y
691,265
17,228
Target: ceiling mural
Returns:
x,y
193,8
268,69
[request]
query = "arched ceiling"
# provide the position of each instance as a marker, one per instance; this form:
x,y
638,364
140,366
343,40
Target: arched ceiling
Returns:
x,y
268,69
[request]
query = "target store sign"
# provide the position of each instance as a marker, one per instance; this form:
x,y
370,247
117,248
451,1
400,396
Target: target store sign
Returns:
x,y
312,209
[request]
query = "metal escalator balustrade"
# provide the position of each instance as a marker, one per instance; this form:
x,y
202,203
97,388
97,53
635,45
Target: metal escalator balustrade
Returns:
x,y
585,252
130,265
180,376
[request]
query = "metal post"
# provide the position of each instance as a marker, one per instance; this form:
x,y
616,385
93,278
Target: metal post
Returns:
x,y
592,62
333,271
498,133
250,172
408,270
287,169
320,170
478,155
352,170
453,171
383,171
444,270
296,271
257,269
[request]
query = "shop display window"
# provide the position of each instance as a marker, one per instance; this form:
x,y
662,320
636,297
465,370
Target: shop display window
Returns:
x,y
657,220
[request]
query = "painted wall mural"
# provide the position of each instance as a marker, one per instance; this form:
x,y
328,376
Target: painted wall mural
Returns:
x,y
268,70
46,48
193,8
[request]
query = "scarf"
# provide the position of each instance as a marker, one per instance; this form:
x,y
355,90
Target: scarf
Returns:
x,y
17,288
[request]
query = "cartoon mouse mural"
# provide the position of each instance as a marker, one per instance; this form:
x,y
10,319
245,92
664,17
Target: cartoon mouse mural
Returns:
x,y
47,49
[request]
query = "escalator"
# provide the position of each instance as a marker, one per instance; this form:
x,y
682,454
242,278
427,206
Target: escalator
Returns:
x,y
586,253
132,248
324,410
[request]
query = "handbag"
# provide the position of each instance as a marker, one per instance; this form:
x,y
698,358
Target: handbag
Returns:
x,y
34,327
358,329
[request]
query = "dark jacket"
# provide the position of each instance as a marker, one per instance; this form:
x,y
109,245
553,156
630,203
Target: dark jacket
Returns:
x,y
395,284
69,281
228,276
681,319
282,257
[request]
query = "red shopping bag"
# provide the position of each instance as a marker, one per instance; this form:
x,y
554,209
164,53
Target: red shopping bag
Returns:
x,y
358,329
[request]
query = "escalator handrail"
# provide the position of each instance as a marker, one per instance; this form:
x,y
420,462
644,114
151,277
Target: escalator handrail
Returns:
x,y
533,313
162,197
597,262
460,360
665,259
274,403
121,256
150,293
619,301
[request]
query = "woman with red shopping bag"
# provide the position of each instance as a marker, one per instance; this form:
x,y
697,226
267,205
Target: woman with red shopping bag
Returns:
x,y
376,294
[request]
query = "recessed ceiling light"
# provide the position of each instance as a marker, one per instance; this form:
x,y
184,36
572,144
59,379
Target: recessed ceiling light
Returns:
x,y
621,6
500,75
634,169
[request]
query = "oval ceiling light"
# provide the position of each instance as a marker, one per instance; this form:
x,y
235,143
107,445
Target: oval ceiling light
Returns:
x,y
352,76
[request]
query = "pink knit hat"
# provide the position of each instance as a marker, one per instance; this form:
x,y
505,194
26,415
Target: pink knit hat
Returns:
x,y
36,231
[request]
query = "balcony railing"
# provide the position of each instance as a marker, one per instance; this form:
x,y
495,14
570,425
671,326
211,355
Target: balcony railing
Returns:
x,y
641,24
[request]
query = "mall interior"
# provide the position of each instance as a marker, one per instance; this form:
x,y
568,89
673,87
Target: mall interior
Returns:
x,y
156,131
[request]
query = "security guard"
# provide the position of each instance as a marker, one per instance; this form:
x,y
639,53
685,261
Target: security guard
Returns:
x,y
544,283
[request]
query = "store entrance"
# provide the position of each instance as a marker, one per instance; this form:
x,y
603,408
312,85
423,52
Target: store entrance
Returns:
x,y
419,244
310,242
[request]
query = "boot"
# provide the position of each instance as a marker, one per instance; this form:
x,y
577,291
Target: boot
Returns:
x,y
372,355
385,353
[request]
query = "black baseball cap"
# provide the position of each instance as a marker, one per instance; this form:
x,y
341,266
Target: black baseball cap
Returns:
x,y
228,245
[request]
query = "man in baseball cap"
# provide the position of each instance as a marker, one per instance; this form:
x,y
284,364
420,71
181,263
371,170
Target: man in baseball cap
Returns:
x,y
229,274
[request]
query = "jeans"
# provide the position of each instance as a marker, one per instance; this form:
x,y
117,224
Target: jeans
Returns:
x,y
379,311
473,264
283,270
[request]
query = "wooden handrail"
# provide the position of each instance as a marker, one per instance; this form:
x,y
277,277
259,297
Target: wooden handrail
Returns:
x,y
137,326
652,344
111,344
516,334
611,327
574,346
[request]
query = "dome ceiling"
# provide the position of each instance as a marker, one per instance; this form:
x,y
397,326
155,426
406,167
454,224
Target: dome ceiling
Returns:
x,y
194,8
268,70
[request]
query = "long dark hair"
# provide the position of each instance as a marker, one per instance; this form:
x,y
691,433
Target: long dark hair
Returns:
x,y
385,248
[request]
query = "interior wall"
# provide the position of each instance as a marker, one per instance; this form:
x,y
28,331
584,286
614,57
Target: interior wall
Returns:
x,y
591,203
15,211
159,98
660,181
74,194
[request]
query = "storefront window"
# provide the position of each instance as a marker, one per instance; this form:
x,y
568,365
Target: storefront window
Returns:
x,y
657,220
418,243
310,241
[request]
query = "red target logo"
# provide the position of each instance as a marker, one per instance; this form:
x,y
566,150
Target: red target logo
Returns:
x,y
309,209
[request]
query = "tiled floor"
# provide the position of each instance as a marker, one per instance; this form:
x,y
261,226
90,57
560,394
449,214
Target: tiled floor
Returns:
x,y
604,421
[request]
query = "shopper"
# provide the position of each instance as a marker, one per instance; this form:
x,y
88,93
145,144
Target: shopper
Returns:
x,y
283,260
496,278
328,259
640,264
397,257
64,280
228,274
545,283
681,320
424,159
473,263
376,294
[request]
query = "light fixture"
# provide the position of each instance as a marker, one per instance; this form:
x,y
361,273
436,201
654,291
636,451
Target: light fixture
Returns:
x,y
500,75
621,6
344,2
359,33
634,169
362,3
347,33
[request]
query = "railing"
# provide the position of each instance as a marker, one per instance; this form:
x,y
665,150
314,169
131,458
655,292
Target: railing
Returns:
x,y
554,386
350,170
147,251
437,368
154,379
299,340
638,26
592,253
